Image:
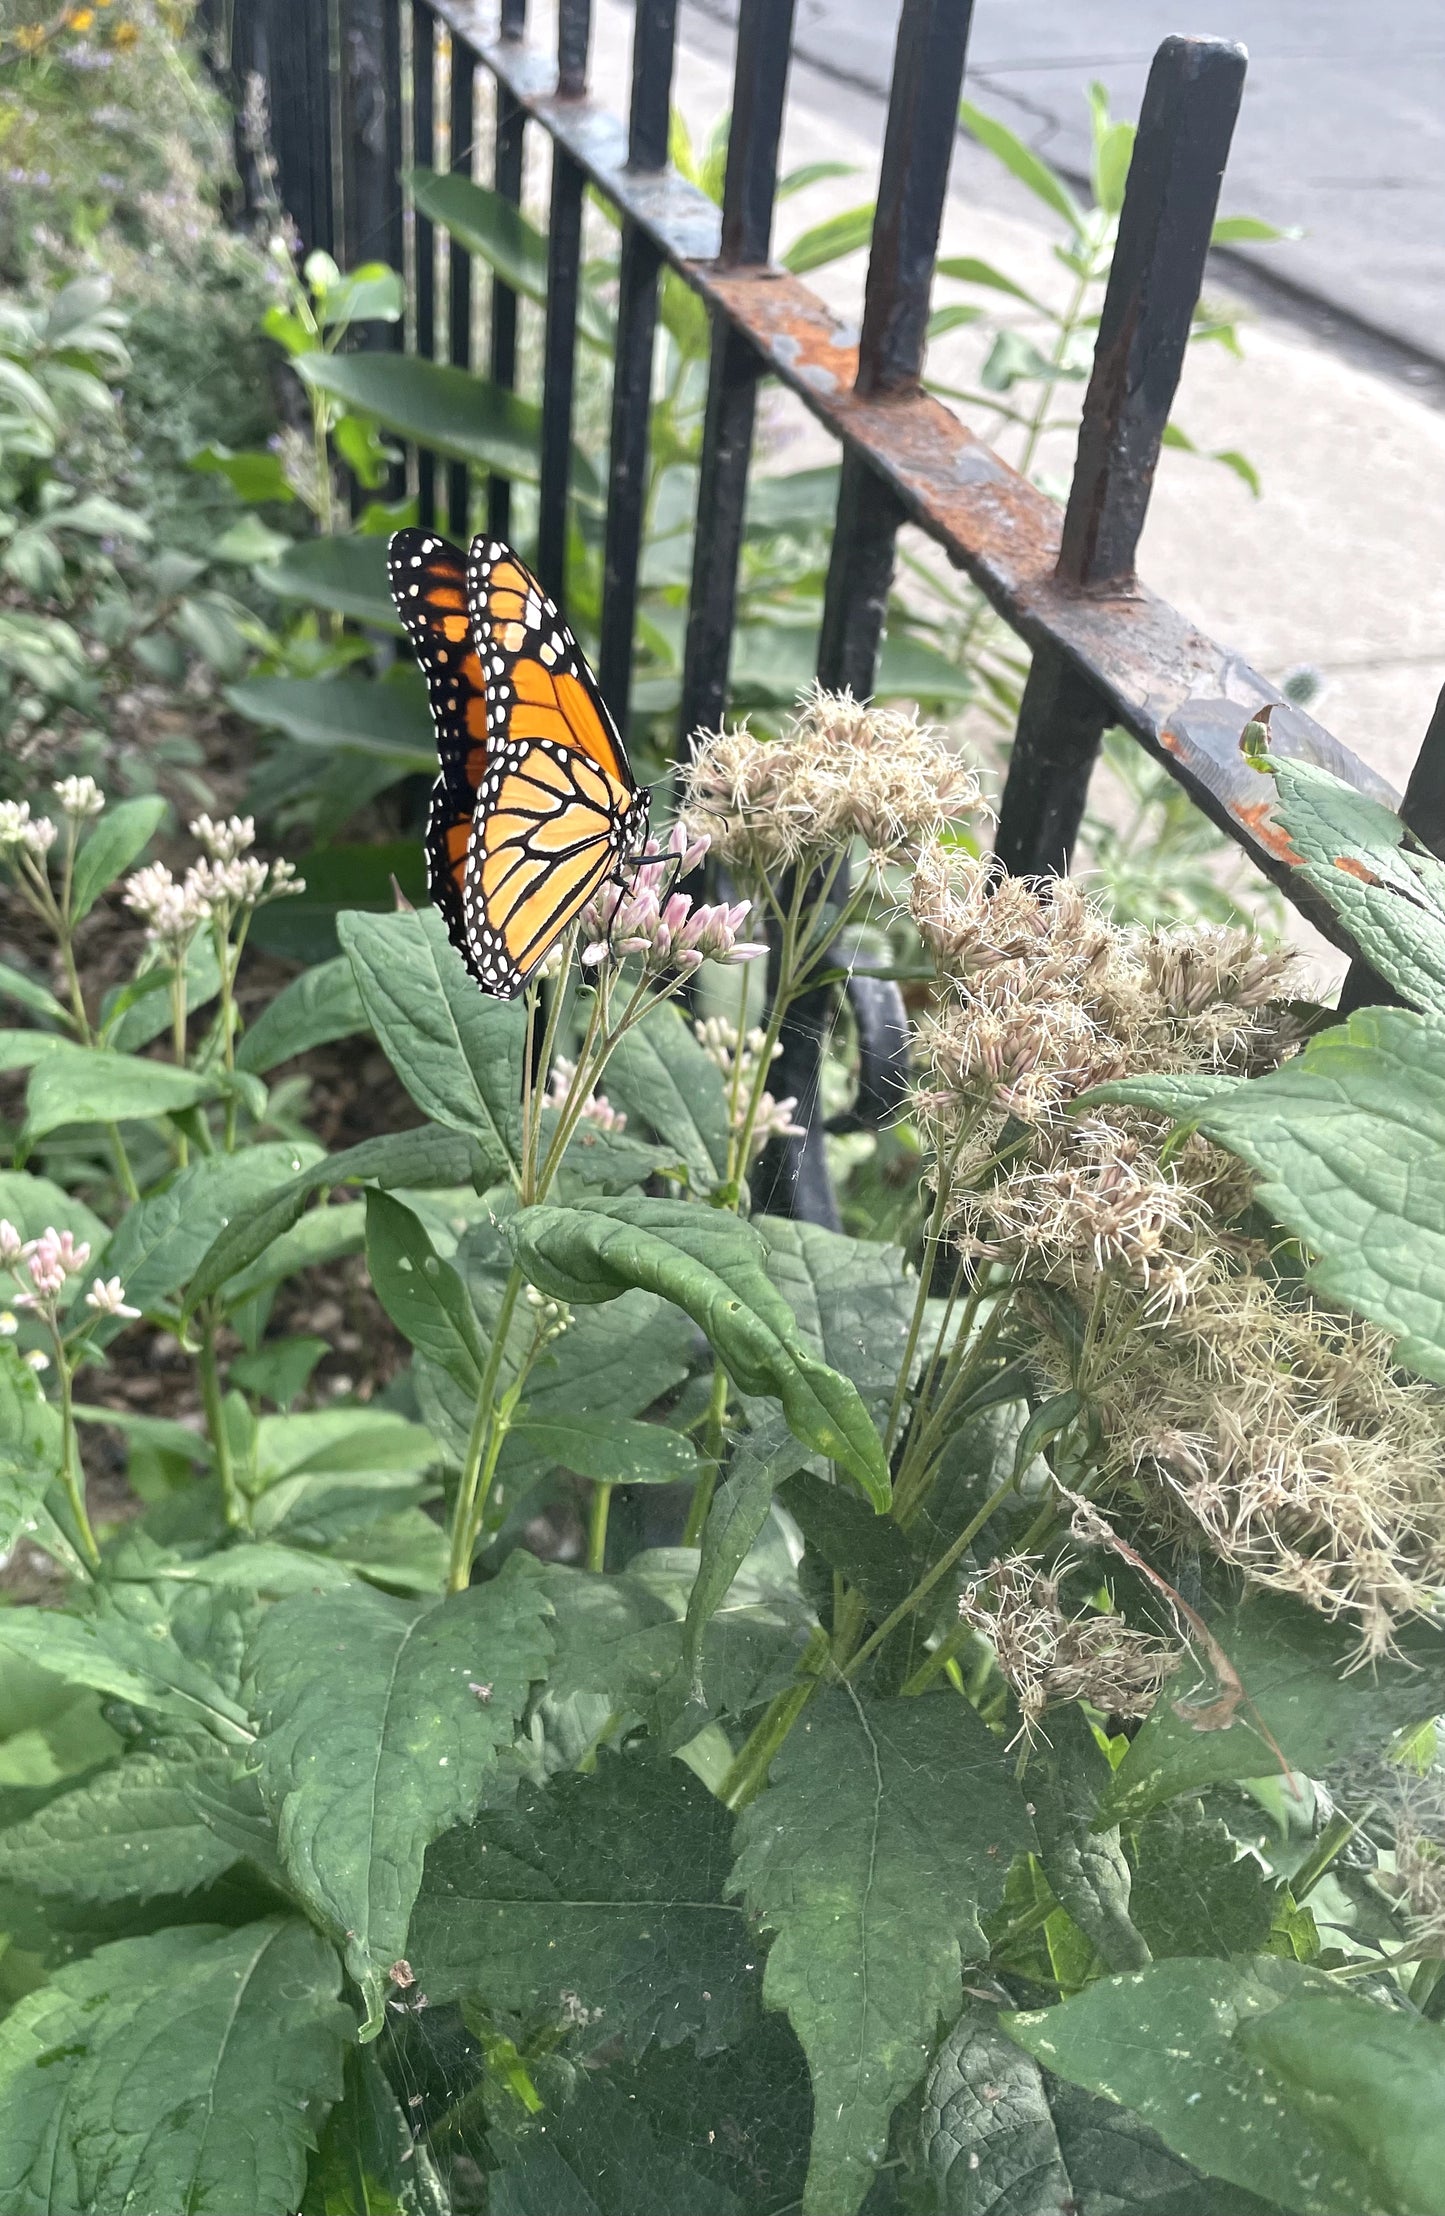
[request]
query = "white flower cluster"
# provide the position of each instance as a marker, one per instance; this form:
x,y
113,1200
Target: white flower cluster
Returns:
x,y
19,830
214,889
739,1065
50,1262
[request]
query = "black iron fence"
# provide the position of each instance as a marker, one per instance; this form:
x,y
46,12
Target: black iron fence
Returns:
x,y
1106,651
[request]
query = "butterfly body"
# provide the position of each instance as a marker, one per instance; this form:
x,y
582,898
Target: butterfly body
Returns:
x,y
535,807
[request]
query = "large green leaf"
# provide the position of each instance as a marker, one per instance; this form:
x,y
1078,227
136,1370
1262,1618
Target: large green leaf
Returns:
x,y
120,837
1348,1141
710,1264
1301,1699
1084,1862
369,2159
126,1648
851,1298
1193,1891
448,411
377,1735
33,1204
666,1083
458,1053
389,720
320,1005
886,1834
598,1893
425,1156
1387,888
588,2149
612,1450
346,575
90,1084
188,2070
1022,162
422,1294
30,1454
157,1246
1000,2137
1266,2075
486,223
126,1835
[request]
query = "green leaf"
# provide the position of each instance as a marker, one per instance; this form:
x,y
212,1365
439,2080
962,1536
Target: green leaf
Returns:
x,y
970,271
710,1264
33,1204
1265,2075
851,1298
590,2151
1193,1891
323,1235
458,1053
1113,150
601,1893
886,1833
320,1005
1244,230
91,1084
120,837
345,575
141,1011
612,1451
1000,2137
256,474
128,1834
870,1551
127,1649
373,1743
666,1083
485,223
30,994
358,714
421,1293
30,1457
1293,1666
736,1516
425,1156
1386,888
1023,163
844,233
157,1246
446,410
190,2069
1348,1143
368,2159
1086,1867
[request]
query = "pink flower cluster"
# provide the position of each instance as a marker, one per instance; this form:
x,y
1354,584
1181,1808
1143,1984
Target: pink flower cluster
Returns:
x,y
50,1261
673,934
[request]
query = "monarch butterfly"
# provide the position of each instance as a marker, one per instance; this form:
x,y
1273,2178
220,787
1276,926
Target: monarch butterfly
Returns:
x,y
536,805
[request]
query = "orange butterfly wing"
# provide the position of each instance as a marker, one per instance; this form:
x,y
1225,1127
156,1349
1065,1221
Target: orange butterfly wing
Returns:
x,y
428,580
559,807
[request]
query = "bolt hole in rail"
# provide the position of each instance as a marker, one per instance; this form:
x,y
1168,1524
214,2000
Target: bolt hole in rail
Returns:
x,y
352,101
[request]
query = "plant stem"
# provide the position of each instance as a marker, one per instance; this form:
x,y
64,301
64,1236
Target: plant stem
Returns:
x,y
1337,1834
931,1577
216,1421
71,1471
597,1527
749,1772
712,1442
484,1444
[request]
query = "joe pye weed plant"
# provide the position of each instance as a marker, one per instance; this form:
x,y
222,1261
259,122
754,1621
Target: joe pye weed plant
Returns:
x,y
1018,1786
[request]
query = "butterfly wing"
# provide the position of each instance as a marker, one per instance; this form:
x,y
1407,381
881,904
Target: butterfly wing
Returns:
x,y
559,806
428,580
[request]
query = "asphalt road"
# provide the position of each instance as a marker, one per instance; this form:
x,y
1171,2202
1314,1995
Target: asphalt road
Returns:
x,y
1342,132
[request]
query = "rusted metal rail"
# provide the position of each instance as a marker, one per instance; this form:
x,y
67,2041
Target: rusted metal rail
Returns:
x,y
1105,649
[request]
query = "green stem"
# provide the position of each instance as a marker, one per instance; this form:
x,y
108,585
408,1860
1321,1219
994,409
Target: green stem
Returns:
x,y
484,1444
1337,1834
121,1159
71,1471
216,1422
597,1528
931,1577
937,1660
178,1043
712,1446
749,1772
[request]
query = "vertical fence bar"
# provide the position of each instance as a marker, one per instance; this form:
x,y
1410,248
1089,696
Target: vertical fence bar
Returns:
x,y
653,49
508,159
760,82
459,268
564,265
928,62
1185,126
424,154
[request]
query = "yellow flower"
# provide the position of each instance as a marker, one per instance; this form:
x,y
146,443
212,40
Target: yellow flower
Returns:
x,y
124,35
30,37
80,19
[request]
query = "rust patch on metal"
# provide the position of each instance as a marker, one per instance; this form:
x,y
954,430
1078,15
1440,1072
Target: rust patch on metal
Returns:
x,y
1352,868
1255,817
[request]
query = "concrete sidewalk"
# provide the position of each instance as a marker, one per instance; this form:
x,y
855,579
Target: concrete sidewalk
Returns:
x,y
1340,565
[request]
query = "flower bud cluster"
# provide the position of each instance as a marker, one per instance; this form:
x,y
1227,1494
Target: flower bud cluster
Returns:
x,y
738,1062
596,1108
22,832
675,933
50,1262
215,889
